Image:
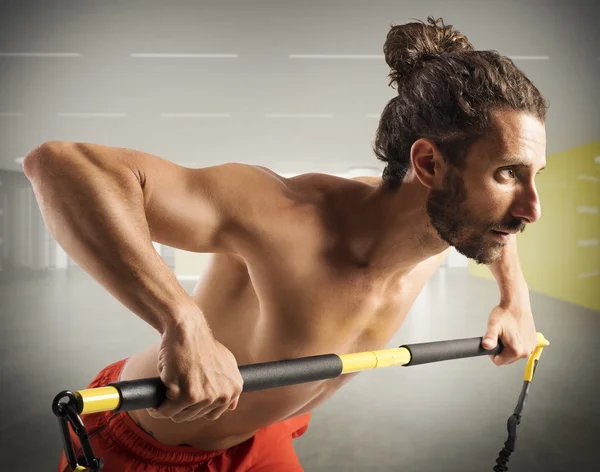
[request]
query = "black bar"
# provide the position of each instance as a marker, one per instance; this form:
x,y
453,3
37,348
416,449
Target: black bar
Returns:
x,y
425,353
150,393
140,393
290,372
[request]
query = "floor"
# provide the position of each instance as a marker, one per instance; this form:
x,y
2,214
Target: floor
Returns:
x,y
60,328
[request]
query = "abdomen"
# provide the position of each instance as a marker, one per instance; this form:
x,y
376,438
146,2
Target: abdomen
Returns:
x,y
228,301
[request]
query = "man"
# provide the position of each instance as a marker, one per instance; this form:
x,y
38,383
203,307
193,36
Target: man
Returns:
x,y
302,266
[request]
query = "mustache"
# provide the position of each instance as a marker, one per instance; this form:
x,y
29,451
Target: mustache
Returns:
x,y
513,226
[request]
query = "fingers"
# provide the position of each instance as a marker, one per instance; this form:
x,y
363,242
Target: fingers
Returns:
x,y
514,349
503,359
216,413
490,339
192,413
234,404
181,408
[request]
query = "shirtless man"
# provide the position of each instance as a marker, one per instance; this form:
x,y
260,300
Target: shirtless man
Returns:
x,y
302,266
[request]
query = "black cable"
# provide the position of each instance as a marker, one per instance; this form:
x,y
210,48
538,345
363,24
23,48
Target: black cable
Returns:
x,y
509,444
97,431
511,426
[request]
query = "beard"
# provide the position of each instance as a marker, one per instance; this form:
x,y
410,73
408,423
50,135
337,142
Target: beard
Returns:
x,y
455,224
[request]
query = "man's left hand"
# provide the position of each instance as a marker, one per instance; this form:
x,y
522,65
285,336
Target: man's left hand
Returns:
x,y
515,327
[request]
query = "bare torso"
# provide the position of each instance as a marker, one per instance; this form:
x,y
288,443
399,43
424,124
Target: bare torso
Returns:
x,y
304,297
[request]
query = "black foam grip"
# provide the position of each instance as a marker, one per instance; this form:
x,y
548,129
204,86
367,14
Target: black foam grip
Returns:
x,y
425,353
290,372
140,393
150,393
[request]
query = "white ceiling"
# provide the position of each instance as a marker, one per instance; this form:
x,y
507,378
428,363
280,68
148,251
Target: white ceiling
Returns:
x,y
260,79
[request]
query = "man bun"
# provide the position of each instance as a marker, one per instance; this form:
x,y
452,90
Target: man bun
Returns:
x,y
409,46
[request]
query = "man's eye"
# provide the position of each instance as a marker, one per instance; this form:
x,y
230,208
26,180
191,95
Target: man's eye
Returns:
x,y
508,173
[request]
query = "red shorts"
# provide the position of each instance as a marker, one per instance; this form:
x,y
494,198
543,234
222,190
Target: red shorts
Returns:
x,y
125,447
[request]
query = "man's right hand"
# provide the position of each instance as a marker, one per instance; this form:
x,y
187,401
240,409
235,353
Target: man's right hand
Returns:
x,y
201,375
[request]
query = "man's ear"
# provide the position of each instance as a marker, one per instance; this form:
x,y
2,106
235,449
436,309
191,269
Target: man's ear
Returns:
x,y
427,162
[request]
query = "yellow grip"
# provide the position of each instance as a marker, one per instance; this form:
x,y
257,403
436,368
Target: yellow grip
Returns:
x,y
535,356
375,359
99,399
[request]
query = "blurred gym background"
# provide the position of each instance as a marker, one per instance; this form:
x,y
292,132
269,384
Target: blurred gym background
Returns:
x,y
298,87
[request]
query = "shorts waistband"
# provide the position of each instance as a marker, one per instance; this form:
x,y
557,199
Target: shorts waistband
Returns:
x,y
129,436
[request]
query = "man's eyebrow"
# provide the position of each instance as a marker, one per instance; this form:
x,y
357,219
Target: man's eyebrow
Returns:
x,y
517,162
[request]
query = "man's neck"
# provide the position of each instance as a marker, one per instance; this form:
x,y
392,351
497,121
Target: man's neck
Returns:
x,y
389,229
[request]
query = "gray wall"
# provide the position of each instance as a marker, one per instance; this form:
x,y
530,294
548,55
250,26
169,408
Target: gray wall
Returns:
x,y
71,70
554,41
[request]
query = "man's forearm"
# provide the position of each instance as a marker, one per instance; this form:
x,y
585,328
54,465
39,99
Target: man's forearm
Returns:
x,y
97,215
508,274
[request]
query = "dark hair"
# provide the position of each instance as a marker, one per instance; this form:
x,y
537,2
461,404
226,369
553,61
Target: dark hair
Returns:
x,y
447,92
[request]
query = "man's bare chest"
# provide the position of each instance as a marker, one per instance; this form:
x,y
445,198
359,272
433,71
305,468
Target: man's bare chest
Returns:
x,y
343,310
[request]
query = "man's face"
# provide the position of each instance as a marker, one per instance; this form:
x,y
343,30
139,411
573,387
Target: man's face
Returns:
x,y
494,193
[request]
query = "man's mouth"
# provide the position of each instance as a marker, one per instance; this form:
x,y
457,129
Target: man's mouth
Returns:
x,y
502,235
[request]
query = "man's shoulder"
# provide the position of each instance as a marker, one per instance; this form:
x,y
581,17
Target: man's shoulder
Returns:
x,y
368,180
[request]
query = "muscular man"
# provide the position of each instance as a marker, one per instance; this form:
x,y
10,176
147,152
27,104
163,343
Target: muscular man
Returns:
x,y
302,266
